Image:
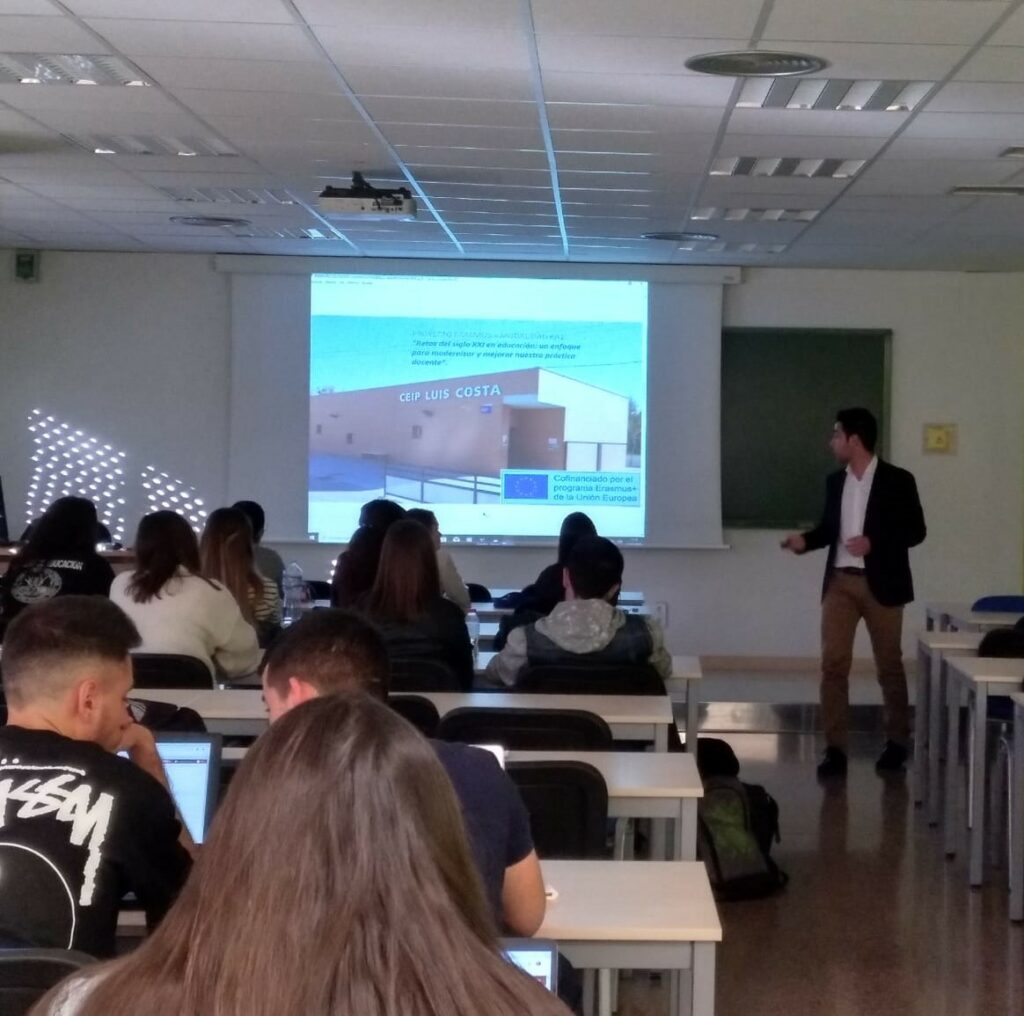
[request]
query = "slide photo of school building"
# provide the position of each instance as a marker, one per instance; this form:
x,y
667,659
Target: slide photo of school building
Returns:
x,y
452,439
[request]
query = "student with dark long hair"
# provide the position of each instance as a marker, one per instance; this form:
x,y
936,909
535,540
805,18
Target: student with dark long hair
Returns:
x,y
417,622
316,918
59,559
356,568
548,590
226,552
175,608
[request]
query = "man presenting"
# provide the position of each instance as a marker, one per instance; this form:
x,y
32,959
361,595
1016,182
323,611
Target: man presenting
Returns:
x,y
872,517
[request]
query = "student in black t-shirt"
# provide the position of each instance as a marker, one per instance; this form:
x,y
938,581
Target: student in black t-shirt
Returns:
x,y
336,651
59,559
79,826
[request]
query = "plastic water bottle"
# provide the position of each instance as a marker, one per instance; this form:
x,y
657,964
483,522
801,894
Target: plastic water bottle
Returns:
x,y
473,628
294,589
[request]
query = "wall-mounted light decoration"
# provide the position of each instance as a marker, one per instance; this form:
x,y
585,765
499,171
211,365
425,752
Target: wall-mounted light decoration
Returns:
x,y
68,461
163,492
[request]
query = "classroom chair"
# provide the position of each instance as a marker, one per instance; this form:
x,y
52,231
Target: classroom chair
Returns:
x,y
591,679
422,675
419,711
528,729
170,670
28,974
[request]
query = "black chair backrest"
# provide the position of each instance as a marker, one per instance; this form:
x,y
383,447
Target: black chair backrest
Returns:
x,y
478,593
419,711
170,670
28,974
591,679
422,675
319,589
568,807
1002,642
528,729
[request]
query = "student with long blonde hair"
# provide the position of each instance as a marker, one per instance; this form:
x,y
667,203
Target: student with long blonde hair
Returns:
x,y
226,552
336,881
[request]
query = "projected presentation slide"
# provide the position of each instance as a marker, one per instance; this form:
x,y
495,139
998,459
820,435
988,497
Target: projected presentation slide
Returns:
x,y
501,404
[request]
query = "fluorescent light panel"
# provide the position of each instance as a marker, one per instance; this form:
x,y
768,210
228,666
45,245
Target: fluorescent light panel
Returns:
x,y
151,144
228,195
67,69
756,214
836,169
836,94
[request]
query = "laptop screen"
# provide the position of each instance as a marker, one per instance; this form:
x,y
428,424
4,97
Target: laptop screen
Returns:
x,y
537,957
192,764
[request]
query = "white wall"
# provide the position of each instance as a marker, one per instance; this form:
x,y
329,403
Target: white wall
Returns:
x,y
136,349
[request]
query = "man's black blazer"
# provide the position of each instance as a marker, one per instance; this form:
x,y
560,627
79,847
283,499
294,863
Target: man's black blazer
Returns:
x,y
893,522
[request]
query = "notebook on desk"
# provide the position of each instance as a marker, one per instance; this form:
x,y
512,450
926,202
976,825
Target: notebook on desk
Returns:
x,y
538,957
192,764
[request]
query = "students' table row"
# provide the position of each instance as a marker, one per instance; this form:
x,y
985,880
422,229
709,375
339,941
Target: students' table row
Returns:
x,y
242,712
946,615
656,785
683,686
623,915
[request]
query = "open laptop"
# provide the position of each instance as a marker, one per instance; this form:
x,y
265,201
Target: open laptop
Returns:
x,y
192,764
538,957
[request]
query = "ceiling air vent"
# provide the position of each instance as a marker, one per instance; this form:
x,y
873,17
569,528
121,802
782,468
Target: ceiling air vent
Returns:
x,y
755,63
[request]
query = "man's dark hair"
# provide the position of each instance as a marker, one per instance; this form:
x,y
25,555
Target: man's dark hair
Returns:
x,y
860,422
45,638
333,650
424,516
380,513
257,517
595,566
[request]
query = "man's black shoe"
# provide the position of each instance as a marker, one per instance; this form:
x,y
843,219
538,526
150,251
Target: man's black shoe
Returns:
x,y
833,765
892,759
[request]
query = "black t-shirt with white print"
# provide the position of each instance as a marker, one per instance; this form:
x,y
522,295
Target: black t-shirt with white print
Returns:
x,y
61,576
79,828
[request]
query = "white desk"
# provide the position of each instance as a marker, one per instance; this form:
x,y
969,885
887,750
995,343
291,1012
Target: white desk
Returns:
x,y
936,615
637,915
982,620
658,785
242,712
682,686
932,649
978,676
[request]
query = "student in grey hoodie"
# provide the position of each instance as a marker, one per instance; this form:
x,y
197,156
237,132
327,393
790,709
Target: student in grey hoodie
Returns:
x,y
586,626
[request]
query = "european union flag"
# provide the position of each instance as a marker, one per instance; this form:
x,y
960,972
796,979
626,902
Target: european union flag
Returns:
x,y
526,486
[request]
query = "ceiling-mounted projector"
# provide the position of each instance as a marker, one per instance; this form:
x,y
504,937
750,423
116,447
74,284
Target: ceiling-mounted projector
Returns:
x,y
365,202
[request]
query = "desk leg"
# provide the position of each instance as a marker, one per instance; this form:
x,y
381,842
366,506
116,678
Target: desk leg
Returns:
x,y
703,999
661,735
979,783
936,678
922,746
692,714
952,760
686,831
604,993
1017,818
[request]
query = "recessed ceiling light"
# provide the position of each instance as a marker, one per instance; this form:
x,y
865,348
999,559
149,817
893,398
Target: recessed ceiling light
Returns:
x,y
989,190
1013,152
104,151
681,237
752,63
31,81
208,220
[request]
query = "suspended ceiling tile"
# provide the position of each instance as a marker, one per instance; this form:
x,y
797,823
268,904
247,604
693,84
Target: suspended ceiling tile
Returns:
x,y
255,11
807,122
621,56
706,19
887,61
500,15
23,34
194,39
483,112
994,63
669,120
914,21
1008,127
978,97
642,89
440,82
241,75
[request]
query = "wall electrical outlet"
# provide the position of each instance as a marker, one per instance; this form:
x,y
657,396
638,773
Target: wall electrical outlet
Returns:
x,y
661,613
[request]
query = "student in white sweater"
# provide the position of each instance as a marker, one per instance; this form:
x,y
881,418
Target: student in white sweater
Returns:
x,y
175,609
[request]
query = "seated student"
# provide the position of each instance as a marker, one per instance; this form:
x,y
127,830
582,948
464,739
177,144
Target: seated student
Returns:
x,y
587,626
59,559
356,568
549,588
81,827
406,604
332,651
226,555
175,609
269,562
452,585
336,881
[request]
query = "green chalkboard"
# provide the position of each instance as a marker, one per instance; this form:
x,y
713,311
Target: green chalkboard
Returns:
x,y
781,388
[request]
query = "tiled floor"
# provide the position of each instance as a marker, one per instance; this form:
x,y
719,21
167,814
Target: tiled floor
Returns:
x,y
875,921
